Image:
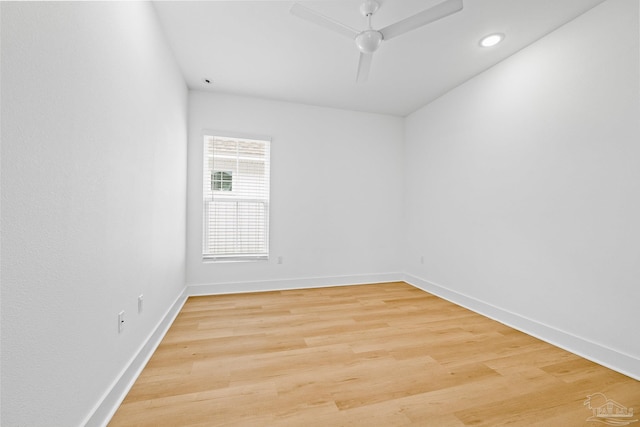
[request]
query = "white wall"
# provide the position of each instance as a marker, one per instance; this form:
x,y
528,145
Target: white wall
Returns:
x,y
93,200
336,192
523,184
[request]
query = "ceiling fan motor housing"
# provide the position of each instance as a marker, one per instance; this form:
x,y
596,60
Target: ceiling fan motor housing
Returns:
x,y
368,41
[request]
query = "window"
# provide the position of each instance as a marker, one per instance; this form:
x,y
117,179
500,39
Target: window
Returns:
x,y
222,181
235,198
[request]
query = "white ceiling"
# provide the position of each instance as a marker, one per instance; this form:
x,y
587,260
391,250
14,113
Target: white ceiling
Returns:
x,y
258,48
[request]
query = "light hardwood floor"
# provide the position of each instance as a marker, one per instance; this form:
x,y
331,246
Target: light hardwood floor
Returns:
x,y
369,355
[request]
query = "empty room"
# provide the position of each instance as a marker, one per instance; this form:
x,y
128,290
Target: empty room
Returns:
x,y
320,213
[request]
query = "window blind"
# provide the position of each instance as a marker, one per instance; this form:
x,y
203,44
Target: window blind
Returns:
x,y
235,198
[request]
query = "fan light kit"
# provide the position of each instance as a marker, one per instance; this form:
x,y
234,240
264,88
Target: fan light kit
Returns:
x,y
369,40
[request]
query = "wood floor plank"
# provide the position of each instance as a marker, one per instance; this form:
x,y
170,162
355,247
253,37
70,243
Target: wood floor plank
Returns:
x,y
369,355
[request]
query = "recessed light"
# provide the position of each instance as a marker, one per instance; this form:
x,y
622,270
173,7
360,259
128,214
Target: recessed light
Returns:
x,y
491,40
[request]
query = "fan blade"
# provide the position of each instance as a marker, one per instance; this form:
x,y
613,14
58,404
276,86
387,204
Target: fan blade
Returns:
x,y
364,65
324,21
427,16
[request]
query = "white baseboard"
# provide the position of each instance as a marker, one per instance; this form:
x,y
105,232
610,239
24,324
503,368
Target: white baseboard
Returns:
x,y
612,359
285,284
111,400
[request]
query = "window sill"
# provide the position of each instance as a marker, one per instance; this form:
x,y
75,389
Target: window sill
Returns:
x,y
233,259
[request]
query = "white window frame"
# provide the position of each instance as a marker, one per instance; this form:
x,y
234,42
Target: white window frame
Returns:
x,y
235,197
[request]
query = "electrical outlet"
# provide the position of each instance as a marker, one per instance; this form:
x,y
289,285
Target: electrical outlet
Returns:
x,y
121,321
280,259
422,259
140,301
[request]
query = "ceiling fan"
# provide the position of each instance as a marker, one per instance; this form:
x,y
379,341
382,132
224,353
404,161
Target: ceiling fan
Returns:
x,y
369,40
